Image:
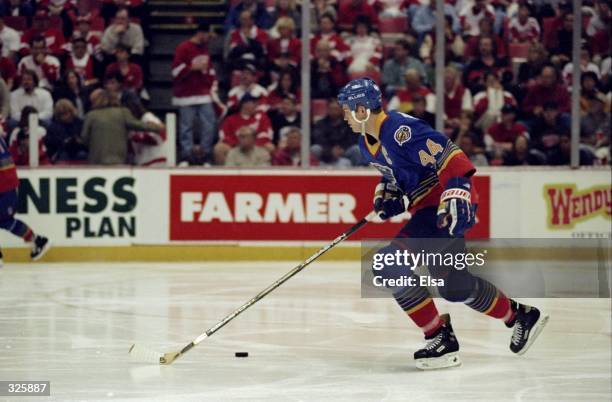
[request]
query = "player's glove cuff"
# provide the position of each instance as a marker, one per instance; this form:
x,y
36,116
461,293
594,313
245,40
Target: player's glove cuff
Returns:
x,y
389,200
455,211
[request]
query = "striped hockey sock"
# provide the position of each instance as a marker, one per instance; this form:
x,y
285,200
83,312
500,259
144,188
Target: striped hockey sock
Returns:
x,y
489,300
420,307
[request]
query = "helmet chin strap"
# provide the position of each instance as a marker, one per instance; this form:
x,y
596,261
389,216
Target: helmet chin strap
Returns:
x,y
363,122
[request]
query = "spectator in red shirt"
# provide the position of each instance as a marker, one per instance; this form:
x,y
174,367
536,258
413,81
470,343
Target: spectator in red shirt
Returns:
x,y
131,72
20,138
365,48
327,31
289,151
350,10
500,137
402,101
486,31
548,88
248,84
54,38
523,27
489,102
193,91
457,98
81,61
286,44
247,41
246,116
46,67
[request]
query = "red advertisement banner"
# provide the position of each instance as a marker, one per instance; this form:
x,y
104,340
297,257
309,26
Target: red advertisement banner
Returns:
x,y
296,207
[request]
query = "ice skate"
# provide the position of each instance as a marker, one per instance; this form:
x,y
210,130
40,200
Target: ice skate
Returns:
x,y
441,350
40,247
528,324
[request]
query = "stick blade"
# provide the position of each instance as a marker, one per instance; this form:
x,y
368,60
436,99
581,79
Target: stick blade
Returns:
x,y
145,355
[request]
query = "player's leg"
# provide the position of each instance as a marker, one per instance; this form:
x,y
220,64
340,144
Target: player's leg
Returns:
x,y
441,349
8,222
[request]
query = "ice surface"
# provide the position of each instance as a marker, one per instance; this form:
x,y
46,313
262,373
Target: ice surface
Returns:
x,y
312,339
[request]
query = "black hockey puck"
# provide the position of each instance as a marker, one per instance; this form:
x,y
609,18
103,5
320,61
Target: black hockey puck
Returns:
x,y
242,354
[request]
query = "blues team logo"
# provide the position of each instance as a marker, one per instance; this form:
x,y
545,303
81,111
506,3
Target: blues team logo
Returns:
x,y
402,134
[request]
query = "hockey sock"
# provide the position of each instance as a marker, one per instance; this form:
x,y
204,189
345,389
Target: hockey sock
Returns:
x,y
489,300
417,303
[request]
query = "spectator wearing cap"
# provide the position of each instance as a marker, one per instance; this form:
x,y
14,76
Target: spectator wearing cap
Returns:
x,y
286,44
548,88
46,66
131,72
500,136
106,128
193,90
248,84
248,41
333,140
394,69
327,32
352,10
29,94
122,31
286,114
10,40
248,115
19,140
70,87
523,27
8,70
63,139
471,15
82,62
365,48
327,73
247,153
289,152
457,99
487,60
257,9
403,98
53,38
488,103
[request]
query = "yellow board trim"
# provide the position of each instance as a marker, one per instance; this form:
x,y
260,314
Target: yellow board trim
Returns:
x,y
199,253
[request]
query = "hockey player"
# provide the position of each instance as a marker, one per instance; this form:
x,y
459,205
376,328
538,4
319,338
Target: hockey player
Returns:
x,y
423,170
8,202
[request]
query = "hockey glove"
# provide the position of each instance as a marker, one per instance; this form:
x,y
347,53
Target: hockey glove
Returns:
x,y
456,211
389,201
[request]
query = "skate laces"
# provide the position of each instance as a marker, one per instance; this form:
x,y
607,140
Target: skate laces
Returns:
x,y
435,342
517,335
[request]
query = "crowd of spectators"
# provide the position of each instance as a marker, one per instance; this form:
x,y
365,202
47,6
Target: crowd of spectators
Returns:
x,y
507,78
237,90
81,75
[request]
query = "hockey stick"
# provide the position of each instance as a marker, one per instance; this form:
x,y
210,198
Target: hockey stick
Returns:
x,y
142,353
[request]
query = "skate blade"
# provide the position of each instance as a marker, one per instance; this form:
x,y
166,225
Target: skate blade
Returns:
x,y
448,360
537,329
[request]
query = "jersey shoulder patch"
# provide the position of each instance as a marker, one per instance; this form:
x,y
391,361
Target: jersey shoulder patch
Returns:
x,y
402,134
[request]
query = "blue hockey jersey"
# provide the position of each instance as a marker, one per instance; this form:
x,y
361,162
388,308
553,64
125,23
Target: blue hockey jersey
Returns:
x,y
416,158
